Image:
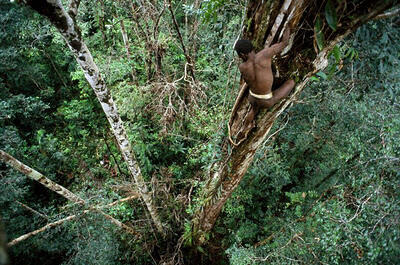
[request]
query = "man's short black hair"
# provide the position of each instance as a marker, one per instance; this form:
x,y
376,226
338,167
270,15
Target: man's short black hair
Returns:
x,y
243,46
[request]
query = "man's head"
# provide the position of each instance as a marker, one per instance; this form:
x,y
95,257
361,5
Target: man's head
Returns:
x,y
243,47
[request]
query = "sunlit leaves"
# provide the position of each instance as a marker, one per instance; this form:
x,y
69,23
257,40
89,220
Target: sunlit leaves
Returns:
x,y
210,9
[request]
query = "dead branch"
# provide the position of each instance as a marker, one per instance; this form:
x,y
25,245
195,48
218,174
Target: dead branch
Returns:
x,y
71,217
32,210
35,175
393,13
157,22
169,104
135,196
44,228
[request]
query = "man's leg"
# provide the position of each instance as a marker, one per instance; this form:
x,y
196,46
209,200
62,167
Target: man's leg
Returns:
x,y
283,91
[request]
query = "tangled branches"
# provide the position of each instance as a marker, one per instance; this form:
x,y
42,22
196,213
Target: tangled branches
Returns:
x,y
175,101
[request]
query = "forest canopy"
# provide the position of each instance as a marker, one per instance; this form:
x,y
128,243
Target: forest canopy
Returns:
x,y
115,125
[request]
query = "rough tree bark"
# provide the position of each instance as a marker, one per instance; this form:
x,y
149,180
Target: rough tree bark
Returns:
x,y
66,25
306,54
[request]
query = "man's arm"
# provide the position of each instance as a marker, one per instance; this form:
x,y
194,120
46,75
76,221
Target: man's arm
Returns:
x,y
277,47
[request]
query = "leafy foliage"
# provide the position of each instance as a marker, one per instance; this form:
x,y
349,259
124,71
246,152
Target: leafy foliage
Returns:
x,y
325,190
335,203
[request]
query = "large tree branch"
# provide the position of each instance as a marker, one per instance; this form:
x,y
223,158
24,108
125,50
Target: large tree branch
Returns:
x,y
37,176
54,11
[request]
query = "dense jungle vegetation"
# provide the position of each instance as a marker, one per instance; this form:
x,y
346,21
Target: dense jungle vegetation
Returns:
x,y
324,187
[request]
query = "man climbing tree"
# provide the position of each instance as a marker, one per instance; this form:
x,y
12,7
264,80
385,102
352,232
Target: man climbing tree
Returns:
x,y
257,72
193,175
264,23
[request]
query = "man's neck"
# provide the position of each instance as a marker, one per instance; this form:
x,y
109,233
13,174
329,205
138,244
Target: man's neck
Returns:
x,y
251,56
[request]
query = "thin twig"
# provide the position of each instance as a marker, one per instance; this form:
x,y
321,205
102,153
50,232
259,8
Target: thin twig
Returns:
x,y
112,155
32,210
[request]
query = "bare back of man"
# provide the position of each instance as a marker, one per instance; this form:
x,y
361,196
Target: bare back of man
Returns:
x,y
256,70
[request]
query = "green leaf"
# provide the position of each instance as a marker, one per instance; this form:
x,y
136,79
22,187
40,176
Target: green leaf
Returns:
x,y
314,78
330,15
201,250
336,53
353,54
319,35
322,75
391,93
39,135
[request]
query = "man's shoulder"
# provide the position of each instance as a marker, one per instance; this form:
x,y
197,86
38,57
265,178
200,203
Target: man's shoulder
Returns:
x,y
263,54
241,67
244,66
262,59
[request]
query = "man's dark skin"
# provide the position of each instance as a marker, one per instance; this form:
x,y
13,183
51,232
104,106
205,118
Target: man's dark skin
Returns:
x,y
257,72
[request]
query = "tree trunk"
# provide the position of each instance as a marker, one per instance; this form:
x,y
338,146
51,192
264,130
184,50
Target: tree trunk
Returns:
x,y
125,39
65,23
102,24
306,54
185,51
127,47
